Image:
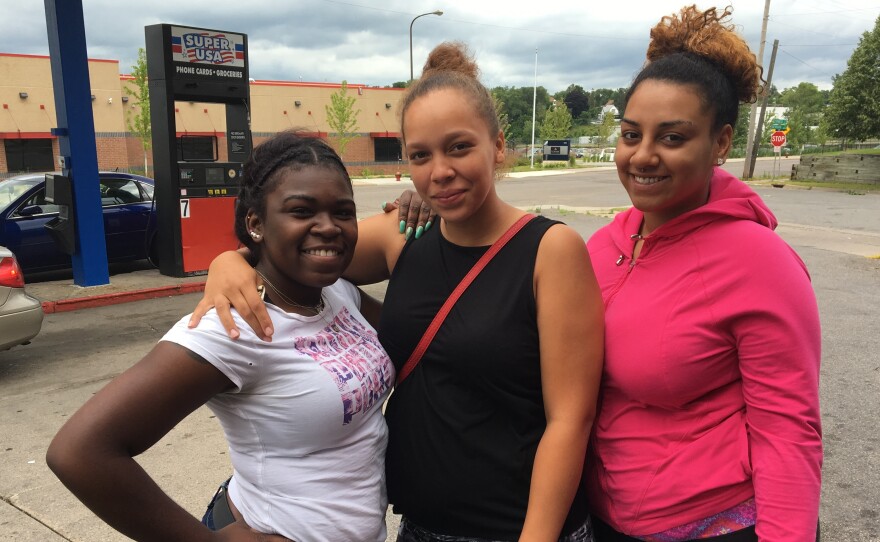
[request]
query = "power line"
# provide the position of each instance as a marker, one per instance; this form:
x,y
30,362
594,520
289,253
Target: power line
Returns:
x,y
833,12
517,28
823,45
801,61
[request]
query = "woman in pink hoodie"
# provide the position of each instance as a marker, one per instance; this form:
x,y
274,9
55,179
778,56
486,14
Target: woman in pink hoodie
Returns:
x,y
709,425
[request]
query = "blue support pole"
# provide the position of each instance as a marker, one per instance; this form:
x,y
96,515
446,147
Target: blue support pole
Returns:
x,y
76,137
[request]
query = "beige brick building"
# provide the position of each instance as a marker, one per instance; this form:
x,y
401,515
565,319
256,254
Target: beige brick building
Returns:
x,y
27,116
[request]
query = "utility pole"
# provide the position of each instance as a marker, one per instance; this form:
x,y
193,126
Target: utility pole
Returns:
x,y
760,128
749,165
534,103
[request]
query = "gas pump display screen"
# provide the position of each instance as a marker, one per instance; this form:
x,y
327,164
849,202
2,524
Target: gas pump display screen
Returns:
x,y
214,176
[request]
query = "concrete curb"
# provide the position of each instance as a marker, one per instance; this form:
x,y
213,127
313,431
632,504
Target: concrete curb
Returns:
x,y
101,300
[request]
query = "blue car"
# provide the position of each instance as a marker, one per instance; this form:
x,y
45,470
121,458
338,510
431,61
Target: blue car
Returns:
x,y
129,220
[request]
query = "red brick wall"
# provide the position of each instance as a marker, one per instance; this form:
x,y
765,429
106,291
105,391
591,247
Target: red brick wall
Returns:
x,y
4,165
359,149
134,152
112,152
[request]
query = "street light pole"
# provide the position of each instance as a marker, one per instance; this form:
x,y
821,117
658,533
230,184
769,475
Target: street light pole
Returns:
x,y
438,12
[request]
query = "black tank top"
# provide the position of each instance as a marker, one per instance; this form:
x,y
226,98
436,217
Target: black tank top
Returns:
x,y
465,426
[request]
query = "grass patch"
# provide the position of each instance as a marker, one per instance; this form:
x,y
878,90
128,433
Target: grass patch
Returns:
x,y
837,153
607,213
565,165
857,151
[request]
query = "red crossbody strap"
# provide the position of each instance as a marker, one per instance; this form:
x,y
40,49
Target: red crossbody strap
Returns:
x,y
441,315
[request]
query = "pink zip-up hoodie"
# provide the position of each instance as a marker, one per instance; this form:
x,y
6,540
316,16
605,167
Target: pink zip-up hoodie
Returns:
x,y
710,392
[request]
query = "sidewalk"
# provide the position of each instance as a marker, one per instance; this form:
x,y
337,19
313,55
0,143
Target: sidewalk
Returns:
x,y
134,285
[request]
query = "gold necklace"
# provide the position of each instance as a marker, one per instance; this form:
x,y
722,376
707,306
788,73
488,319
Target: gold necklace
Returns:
x,y
317,308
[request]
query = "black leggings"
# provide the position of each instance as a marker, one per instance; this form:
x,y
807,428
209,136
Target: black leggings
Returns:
x,y
603,532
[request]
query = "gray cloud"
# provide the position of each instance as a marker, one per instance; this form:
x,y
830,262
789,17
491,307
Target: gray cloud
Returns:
x,y
591,44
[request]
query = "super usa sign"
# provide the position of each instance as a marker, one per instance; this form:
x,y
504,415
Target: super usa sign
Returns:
x,y
207,47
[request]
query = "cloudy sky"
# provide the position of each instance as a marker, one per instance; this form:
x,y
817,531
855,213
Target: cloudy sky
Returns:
x,y
589,43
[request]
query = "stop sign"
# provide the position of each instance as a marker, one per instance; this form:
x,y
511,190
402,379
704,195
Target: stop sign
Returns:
x,y
777,138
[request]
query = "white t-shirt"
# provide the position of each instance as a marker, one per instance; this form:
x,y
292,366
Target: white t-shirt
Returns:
x,y
305,428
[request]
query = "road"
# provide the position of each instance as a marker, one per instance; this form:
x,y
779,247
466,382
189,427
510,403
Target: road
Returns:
x,y
77,353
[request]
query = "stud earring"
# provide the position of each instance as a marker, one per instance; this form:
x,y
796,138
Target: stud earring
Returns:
x,y
720,161
256,236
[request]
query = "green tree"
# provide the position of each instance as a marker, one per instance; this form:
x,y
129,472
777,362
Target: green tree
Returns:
x,y
805,103
607,128
767,129
854,104
805,97
138,114
773,95
800,128
557,123
342,117
588,130
601,96
518,105
576,99
741,130
503,120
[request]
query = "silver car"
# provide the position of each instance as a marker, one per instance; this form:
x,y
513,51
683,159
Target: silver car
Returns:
x,y
20,314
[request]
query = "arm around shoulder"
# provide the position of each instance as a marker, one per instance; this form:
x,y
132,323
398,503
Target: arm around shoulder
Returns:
x,y
232,282
378,247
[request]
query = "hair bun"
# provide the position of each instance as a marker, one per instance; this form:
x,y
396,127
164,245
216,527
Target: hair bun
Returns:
x,y
451,56
707,34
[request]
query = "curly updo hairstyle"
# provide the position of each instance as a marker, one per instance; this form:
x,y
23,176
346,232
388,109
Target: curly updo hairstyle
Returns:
x,y
450,65
283,151
700,49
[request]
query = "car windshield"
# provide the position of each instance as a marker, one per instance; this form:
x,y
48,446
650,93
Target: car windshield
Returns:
x,y
12,189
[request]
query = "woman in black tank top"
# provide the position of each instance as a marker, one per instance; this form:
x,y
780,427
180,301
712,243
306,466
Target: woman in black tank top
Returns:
x,y
488,433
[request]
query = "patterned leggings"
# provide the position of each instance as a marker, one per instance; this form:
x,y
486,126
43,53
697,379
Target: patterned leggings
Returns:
x,y
409,532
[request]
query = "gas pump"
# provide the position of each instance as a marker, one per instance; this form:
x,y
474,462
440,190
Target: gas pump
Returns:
x,y
195,199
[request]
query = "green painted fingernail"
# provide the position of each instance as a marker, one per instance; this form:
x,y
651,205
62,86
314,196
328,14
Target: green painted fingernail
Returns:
x,y
383,205
402,226
427,225
419,231
408,233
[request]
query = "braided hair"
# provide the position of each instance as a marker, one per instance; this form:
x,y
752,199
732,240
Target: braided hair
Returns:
x,y
284,151
700,49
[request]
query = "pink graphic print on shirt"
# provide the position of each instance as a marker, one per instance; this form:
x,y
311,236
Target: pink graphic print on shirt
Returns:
x,y
351,353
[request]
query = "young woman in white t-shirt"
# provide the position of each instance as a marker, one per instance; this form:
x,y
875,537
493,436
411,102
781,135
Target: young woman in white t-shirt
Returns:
x,y
302,415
